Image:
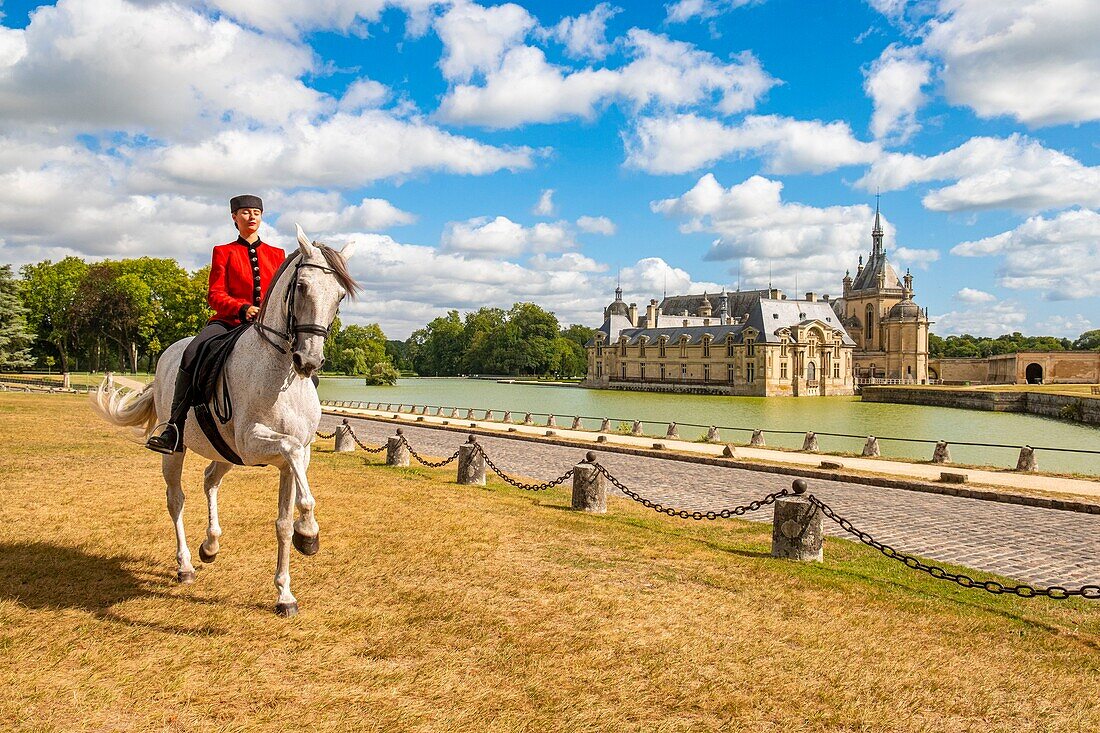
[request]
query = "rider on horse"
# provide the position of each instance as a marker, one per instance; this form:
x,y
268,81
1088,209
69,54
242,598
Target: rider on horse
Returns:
x,y
240,274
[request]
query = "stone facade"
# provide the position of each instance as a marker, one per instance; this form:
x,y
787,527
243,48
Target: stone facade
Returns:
x,y
779,347
761,343
1024,367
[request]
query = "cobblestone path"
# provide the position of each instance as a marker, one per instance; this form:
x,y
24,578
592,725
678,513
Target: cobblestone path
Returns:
x,y
1039,546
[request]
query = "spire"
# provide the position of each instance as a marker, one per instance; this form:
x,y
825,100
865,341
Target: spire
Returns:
x,y
876,232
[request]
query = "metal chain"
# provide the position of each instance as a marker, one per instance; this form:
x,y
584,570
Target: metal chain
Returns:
x,y
359,443
752,506
1091,592
429,464
324,436
519,484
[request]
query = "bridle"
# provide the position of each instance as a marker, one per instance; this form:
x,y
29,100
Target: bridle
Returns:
x,y
289,337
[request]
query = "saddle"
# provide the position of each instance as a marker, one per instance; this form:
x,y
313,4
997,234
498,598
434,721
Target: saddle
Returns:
x,y
207,373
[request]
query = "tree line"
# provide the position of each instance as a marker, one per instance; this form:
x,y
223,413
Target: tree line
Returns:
x,y
985,346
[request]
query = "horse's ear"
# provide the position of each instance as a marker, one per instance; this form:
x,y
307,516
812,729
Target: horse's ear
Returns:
x,y
349,250
303,241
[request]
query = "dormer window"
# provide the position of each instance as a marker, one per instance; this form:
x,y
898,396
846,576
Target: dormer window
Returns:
x,y
706,347
641,348
683,346
661,346
729,346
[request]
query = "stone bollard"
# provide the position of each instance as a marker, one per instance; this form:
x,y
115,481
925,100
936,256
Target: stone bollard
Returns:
x,y
550,422
729,451
672,431
637,429
589,489
757,440
470,414
605,426
508,417
942,454
488,415
66,383
713,436
870,448
797,527
810,443
1027,460
471,464
528,420
344,442
397,453
577,425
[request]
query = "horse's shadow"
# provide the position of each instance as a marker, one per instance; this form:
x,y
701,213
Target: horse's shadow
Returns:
x,y
41,576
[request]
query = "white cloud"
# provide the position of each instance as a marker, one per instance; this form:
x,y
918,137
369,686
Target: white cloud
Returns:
x,y
1065,326
363,94
970,295
342,151
566,262
894,84
320,213
911,257
476,37
107,65
545,205
991,173
664,73
596,225
682,11
1034,60
502,236
681,143
995,319
290,17
787,240
1056,256
585,35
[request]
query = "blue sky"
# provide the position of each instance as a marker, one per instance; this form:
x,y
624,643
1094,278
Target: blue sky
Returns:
x,y
684,145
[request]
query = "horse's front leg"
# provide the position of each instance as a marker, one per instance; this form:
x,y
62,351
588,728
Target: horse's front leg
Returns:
x,y
287,605
212,479
171,467
307,535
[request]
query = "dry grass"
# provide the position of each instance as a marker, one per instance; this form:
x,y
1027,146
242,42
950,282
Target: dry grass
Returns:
x,y
435,607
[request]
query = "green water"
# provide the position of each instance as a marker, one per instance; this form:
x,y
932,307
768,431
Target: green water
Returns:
x,y
820,414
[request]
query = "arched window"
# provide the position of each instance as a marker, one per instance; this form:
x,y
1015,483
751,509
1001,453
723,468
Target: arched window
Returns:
x,y
869,326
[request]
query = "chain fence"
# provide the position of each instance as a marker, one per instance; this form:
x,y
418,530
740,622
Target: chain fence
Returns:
x,y
1023,590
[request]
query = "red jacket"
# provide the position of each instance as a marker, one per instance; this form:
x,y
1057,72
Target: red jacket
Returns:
x,y
240,274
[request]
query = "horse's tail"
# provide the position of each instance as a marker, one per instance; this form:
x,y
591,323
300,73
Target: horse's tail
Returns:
x,y
125,408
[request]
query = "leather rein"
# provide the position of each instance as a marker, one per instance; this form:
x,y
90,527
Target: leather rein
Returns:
x,y
293,328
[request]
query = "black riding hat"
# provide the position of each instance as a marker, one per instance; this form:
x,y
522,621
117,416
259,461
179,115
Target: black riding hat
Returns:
x,y
245,201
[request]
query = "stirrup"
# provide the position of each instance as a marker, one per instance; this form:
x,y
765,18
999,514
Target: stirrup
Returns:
x,y
160,443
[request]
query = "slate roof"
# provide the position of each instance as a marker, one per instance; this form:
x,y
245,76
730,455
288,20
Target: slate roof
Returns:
x,y
868,278
737,303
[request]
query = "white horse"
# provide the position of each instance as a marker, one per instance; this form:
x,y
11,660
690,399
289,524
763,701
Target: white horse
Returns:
x,y
275,406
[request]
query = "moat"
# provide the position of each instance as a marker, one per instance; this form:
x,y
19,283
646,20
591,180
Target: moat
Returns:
x,y
821,414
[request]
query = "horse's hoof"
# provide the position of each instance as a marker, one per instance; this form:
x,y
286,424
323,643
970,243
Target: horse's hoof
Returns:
x,y
185,576
286,610
306,545
206,556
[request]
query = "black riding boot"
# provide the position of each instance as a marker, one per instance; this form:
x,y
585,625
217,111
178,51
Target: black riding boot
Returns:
x,y
170,439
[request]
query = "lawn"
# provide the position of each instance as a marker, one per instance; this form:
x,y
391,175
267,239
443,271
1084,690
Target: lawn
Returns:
x,y
439,607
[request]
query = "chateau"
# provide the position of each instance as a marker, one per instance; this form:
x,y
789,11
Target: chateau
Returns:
x,y
761,343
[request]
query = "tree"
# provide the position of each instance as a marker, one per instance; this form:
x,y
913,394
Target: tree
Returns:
x,y
50,295
354,349
438,348
1088,341
580,334
382,373
15,336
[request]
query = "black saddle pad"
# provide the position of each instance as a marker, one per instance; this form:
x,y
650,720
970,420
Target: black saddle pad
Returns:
x,y
210,359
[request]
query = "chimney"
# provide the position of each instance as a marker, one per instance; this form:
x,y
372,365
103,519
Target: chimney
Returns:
x,y
810,297
651,314
633,311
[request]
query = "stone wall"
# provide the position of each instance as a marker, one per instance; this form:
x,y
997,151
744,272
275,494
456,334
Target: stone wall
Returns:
x,y
1066,407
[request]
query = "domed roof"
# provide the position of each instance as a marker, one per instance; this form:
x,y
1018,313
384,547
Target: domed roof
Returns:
x,y
905,309
618,308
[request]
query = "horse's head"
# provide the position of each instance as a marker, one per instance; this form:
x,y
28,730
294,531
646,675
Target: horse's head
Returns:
x,y
322,281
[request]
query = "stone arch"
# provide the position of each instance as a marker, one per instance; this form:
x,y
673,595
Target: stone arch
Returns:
x,y
1033,374
811,370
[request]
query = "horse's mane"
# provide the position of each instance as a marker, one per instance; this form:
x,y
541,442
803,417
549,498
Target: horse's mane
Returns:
x,y
334,260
